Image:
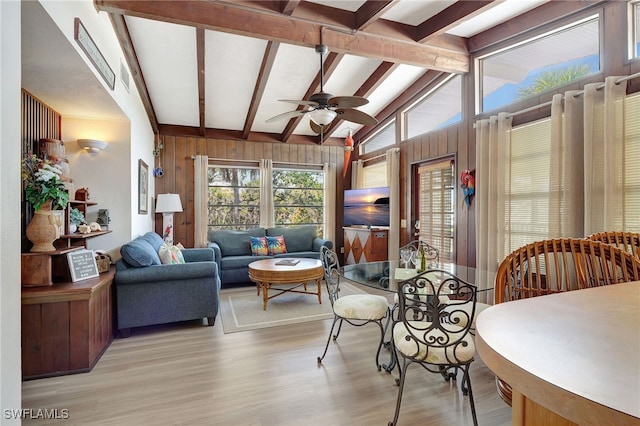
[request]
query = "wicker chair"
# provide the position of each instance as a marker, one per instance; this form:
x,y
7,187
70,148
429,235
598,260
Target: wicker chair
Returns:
x,y
627,241
558,265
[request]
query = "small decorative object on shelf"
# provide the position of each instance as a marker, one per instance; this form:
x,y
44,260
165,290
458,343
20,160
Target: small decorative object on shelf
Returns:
x,y
44,190
82,194
103,217
84,229
75,219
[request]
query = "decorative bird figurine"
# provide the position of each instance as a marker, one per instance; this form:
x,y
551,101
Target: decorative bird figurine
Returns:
x,y
468,185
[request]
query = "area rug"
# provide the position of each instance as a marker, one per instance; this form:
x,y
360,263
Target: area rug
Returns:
x,y
241,308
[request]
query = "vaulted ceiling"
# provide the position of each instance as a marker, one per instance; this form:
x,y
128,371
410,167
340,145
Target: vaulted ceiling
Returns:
x,y
219,68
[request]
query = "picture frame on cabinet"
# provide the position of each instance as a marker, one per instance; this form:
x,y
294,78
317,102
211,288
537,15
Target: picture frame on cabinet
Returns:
x,y
143,187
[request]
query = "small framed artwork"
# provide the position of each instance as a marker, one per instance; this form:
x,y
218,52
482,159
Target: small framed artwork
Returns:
x,y
60,220
143,187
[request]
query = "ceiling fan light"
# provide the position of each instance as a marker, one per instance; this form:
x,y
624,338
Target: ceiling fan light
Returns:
x,y
323,117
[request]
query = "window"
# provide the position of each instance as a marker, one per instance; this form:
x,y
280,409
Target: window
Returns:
x,y
528,188
375,175
298,197
441,107
634,29
234,197
436,206
384,138
538,65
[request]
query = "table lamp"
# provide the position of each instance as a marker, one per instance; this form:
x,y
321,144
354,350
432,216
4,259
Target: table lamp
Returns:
x,y
168,204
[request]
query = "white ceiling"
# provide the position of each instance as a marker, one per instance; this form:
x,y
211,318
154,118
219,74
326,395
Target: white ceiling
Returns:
x,y
167,55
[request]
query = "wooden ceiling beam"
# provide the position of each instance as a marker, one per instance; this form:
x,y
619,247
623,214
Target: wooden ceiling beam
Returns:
x,y
371,10
124,38
263,76
233,19
453,15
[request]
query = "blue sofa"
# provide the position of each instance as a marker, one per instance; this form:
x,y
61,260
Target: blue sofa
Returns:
x,y
149,293
233,248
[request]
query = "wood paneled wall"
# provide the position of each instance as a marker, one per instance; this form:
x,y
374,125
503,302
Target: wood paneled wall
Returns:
x,y
176,160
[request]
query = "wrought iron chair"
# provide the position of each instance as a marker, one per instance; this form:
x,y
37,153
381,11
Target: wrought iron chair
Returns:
x,y
355,309
558,265
435,310
627,241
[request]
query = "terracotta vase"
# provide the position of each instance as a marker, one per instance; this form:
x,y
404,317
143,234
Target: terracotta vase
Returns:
x,y
43,229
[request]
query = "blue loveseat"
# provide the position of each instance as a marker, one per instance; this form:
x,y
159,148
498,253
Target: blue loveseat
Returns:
x,y
149,293
233,248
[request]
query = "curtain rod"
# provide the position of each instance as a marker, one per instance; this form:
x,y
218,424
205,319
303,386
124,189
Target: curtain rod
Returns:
x,y
581,92
231,160
375,157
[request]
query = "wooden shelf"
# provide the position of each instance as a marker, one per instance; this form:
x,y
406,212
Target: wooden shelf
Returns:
x,y
77,239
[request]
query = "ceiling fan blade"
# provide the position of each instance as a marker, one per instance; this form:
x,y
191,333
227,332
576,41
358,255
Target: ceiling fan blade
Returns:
x,y
292,101
356,116
348,101
287,115
315,127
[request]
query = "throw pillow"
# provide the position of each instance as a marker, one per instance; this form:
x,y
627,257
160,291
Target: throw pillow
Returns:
x,y
259,246
276,245
139,253
170,255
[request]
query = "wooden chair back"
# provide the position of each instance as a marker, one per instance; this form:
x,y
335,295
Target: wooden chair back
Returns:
x,y
627,241
564,264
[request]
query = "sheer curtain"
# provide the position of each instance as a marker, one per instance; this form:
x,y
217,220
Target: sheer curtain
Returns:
x,y
329,230
566,169
200,200
393,180
357,174
266,194
604,147
493,147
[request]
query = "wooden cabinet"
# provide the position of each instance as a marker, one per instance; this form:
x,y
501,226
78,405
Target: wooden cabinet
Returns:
x,y
66,327
362,245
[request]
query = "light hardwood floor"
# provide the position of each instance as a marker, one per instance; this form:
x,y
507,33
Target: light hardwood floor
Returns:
x,y
189,374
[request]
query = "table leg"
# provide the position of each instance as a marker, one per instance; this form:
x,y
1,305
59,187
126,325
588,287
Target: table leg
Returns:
x,y
265,296
319,280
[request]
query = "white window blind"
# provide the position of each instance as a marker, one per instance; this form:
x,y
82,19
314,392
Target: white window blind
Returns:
x,y
527,200
631,167
375,175
436,206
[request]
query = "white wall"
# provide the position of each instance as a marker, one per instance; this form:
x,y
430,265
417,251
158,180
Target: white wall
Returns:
x,y
141,135
105,173
10,189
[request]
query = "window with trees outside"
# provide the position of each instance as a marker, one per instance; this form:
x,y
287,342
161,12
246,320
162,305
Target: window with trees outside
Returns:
x,y
436,206
234,197
538,65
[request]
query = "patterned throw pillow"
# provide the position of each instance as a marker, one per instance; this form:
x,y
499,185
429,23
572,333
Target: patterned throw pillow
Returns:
x,y
276,245
170,255
259,246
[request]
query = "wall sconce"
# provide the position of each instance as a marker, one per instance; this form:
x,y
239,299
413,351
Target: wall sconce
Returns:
x,y
92,145
168,204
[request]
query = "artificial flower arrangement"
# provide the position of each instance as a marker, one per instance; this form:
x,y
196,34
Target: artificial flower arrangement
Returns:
x,y
43,183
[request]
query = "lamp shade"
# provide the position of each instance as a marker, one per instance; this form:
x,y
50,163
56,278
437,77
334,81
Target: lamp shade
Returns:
x,y
168,203
92,145
323,117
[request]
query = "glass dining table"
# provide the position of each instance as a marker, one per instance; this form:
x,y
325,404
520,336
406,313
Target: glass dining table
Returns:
x,y
385,276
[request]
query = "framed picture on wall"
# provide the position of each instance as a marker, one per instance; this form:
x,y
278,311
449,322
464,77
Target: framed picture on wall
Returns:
x,y
143,187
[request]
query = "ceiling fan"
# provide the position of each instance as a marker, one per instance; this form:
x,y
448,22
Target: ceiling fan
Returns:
x,y
323,107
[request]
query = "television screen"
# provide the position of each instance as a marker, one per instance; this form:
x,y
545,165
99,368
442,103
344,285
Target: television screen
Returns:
x,y
368,207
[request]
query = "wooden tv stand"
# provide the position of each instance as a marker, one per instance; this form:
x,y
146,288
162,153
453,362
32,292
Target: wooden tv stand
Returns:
x,y
364,244
66,327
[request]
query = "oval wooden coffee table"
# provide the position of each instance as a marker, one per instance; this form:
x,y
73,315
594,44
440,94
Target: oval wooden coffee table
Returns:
x,y
269,272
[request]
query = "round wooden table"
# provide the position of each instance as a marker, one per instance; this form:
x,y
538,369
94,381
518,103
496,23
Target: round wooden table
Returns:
x,y
269,272
571,358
